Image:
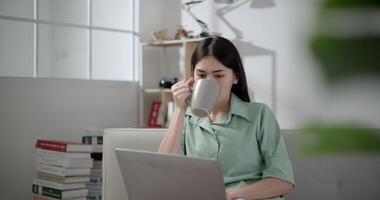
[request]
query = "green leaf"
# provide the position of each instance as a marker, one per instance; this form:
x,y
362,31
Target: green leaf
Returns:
x,y
337,139
347,57
351,3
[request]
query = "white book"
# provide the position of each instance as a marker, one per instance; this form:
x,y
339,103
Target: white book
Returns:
x,y
64,162
59,186
59,194
170,111
94,196
96,172
42,197
63,179
59,154
63,171
97,148
93,187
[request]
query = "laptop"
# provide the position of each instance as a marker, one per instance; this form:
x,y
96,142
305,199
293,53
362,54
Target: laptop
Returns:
x,y
155,176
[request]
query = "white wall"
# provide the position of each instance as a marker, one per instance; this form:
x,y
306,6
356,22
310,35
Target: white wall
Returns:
x,y
281,29
63,108
157,15
54,109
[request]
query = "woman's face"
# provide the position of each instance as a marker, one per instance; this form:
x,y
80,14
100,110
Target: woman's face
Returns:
x,y
210,68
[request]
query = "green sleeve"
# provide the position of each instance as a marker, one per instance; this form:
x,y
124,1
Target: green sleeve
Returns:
x,y
273,149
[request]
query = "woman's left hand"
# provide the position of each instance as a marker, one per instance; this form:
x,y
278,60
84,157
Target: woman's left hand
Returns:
x,y
231,194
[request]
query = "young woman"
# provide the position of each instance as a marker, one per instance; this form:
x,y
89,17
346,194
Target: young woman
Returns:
x,y
243,136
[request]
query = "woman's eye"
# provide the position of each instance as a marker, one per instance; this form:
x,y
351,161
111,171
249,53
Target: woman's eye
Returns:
x,y
219,76
201,75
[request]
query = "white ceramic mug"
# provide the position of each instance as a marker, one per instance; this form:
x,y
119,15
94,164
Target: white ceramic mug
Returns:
x,y
204,97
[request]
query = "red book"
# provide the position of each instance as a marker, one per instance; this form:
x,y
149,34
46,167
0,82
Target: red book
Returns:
x,y
154,115
63,146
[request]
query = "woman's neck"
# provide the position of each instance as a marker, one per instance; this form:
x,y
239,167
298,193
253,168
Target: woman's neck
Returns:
x,y
220,109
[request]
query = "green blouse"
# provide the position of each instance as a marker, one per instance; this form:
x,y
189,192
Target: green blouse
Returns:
x,y
247,142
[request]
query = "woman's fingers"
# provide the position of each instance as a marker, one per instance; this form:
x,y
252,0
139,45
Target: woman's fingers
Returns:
x,y
177,84
182,90
184,96
188,89
190,82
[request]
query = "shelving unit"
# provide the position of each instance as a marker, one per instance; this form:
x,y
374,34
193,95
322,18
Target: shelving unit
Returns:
x,y
153,71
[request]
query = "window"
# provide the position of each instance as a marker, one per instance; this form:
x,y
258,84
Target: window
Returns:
x,y
75,39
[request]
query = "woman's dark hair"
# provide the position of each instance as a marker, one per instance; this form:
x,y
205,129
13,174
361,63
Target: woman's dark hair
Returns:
x,y
227,54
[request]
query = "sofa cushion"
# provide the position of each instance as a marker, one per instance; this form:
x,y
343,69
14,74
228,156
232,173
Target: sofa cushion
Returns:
x,y
346,176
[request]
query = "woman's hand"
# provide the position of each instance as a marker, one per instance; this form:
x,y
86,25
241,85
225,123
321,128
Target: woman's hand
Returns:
x,y
231,194
182,91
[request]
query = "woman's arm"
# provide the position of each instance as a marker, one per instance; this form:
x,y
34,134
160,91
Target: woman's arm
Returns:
x,y
266,188
172,139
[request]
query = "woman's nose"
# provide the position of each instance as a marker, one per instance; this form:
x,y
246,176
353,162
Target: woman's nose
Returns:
x,y
210,78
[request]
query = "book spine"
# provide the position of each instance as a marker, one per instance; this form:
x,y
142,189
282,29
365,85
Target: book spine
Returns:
x,y
50,177
59,171
97,164
51,145
94,197
99,140
153,120
97,148
40,197
44,152
94,188
96,180
63,162
59,186
94,140
50,192
97,156
49,184
59,154
86,140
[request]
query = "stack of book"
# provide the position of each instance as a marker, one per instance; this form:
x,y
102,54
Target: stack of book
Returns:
x,y
95,185
62,170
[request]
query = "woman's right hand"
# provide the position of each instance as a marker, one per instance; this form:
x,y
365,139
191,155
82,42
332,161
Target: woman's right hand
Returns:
x,y
182,91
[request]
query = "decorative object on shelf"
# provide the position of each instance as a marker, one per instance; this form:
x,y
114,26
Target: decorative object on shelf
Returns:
x,y
160,35
205,30
183,33
167,83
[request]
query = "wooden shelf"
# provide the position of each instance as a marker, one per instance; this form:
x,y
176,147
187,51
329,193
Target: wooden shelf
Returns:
x,y
157,90
163,95
179,42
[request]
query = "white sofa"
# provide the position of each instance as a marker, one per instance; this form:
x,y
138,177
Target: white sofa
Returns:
x,y
317,177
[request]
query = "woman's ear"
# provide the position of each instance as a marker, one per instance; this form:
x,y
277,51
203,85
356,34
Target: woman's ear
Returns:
x,y
236,80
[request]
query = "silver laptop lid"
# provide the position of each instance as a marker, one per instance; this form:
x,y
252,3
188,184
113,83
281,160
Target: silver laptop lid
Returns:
x,y
154,176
